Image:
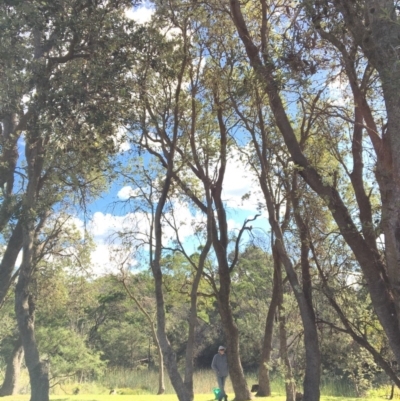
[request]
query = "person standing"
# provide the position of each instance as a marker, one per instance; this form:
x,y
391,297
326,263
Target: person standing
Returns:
x,y
220,366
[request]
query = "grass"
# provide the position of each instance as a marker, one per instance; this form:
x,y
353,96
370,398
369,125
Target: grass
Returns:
x,y
166,397
142,386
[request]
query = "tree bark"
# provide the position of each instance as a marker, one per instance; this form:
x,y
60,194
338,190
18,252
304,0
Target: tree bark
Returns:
x,y
240,387
264,385
189,367
220,240
303,295
7,264
24,303
312,374
290,385
383,293
24,309
8,162
376,30
168,353
10,384
161,381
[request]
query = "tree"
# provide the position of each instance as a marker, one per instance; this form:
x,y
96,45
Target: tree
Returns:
x,y
52,37
361,236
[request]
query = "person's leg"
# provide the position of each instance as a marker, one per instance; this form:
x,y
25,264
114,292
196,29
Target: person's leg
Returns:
x,y
225,395
221,385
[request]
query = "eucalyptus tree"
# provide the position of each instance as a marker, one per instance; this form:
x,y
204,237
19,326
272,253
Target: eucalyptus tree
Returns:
x,y
159,104
256,282
269,162
183,126
149,183
56,93
12,351
364,35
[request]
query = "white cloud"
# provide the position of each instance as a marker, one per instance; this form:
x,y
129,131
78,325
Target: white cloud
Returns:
x,y
185,220
233,225
239,181
339,90
102,225
127,192
121,141
108,259
141,15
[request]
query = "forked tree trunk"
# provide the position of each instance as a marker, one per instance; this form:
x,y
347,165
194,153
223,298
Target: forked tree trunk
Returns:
x,y
25,312
239,383
220,240
167,351
264,384
312,374
189,367
379,41
11,378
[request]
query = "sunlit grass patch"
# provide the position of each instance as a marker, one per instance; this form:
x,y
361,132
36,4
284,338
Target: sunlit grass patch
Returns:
x,y
169,397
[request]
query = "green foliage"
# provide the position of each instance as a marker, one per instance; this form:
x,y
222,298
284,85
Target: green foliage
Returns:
x,y
68,354
73,73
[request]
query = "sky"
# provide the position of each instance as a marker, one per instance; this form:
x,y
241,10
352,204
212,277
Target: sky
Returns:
x,y
104,219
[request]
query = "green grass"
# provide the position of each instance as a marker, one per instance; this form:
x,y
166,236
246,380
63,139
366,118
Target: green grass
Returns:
x,y
167,397
143,385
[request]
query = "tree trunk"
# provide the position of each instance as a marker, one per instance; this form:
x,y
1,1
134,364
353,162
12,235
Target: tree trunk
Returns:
x,y
380,42
10,384
240,387
189,368
219,229
391,197
7,264
239,383
161,382
290,385
24,303
168,353
384,294
8,161
264,385
312,374
24,309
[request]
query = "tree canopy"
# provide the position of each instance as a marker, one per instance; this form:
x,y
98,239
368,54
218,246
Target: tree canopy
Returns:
x,y
303,96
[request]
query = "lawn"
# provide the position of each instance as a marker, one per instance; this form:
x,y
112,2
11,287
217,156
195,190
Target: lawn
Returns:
x,y
167,397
